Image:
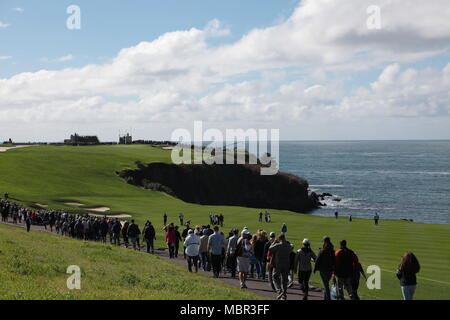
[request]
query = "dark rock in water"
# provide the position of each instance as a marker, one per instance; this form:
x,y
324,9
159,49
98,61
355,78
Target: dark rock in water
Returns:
x,y
237,185
326,194
337,199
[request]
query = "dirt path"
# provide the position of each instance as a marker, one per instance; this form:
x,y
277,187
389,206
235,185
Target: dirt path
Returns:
x,y
258,287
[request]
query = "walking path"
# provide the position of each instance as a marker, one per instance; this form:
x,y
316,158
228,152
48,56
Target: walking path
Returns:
x,y
258,287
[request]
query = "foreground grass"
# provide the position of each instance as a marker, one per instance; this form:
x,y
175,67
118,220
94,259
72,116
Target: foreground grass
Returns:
x,y
51,175
33,266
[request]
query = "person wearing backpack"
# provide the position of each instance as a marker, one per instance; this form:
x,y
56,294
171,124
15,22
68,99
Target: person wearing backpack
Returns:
x,y
346,262
325,264
303,260
281,251
406,273
243,254
149,236
133,234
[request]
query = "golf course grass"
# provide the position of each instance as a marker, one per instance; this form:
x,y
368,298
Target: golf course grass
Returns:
x,y
34,267
54,175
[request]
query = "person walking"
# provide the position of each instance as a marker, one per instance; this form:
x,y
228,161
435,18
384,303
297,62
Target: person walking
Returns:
x,y
170,240
260,216
243,254
181,218
204,257
376,218
125,233
117,227
303,260
149,237
216,242
325,264
355,279
280,260
192,245
231,252
336,214
346,262
406,273
177,241
165,219
267,264
28,223
134,234
258,248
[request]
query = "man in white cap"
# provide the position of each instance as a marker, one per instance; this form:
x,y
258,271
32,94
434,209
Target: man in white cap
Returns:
x,y
243,254
192,245
303,265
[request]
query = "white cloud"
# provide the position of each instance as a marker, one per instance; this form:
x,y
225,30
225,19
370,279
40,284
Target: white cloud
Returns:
x,y
65,58
4,25
179,77
18,9
5,57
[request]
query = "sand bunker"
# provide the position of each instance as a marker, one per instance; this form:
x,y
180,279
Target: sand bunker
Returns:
x,y
74,204
99,209
168,148
119,216
4,149
41,205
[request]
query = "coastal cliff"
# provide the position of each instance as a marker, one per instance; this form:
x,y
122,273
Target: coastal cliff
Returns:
x,y
235,185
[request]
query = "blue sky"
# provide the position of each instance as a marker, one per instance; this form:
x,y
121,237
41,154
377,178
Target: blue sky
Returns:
x,y
311,68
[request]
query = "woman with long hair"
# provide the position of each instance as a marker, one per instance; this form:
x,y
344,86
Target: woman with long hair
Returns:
x,y
406,273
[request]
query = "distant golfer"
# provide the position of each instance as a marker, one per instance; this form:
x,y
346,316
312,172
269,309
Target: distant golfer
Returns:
x,y
284,228
376,218
165,219
336,214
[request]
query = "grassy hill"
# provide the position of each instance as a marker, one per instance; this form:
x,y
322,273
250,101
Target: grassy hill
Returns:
x,y
52,175
34,267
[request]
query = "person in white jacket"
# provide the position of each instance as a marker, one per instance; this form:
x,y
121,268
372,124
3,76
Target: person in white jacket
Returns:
x,y
192,245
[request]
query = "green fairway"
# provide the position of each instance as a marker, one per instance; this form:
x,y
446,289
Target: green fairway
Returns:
x,y
52,175
34,267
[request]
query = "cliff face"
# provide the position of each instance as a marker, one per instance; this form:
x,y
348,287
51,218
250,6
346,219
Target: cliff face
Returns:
x,y
236,185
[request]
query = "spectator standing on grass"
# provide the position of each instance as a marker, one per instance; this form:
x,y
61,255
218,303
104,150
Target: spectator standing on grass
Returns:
x,y
165,219
134,234
184,235
192,245
406,273
346,262
336,214
216,242
376,218
303,266
260,216
325,264
259,250
284,229
280,260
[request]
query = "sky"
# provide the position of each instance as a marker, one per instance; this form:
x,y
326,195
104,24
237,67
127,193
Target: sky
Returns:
x,y
314,69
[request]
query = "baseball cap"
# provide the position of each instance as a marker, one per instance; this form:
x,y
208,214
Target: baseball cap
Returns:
x,y
272,235
306,241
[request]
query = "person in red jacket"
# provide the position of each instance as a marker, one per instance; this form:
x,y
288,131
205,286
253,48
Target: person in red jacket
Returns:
x,y
170,239
346,263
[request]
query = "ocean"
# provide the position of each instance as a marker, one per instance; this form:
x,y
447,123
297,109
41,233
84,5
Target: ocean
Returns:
x,y
397,179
